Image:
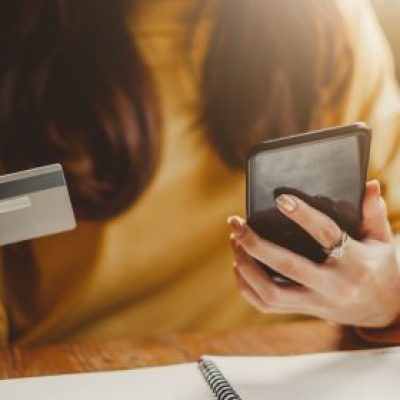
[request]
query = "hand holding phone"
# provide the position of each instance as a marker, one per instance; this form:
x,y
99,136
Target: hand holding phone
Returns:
x,y
326,169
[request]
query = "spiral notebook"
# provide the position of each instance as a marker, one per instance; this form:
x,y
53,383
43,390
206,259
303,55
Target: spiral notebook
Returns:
x,y
367,375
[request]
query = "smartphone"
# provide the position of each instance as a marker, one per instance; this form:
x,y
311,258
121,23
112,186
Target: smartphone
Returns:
x,y
326,168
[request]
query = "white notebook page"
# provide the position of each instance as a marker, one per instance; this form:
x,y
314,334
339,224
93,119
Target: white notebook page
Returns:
x,y
364,375
178,382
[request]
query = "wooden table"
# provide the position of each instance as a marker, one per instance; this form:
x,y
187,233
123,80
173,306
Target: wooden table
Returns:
x,y
289,338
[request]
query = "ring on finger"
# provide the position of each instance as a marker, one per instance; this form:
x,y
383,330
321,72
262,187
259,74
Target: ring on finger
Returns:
x,y
337,250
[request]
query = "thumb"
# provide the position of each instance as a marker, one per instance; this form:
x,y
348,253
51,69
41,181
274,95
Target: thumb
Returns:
x,y
375,224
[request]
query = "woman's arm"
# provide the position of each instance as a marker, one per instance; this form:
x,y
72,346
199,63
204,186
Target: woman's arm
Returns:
x,y
363,287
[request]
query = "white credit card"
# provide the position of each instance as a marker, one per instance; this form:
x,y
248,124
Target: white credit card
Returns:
x,y
34,203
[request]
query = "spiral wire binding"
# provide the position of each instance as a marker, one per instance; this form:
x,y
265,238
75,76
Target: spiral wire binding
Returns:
x,y
217,382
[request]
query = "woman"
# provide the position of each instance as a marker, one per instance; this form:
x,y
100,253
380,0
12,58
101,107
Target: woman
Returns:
x,y
151,115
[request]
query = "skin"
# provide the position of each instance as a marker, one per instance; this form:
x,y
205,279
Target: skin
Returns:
x,y
361,288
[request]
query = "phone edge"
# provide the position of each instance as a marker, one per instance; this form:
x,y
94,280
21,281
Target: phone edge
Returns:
x,y
302,137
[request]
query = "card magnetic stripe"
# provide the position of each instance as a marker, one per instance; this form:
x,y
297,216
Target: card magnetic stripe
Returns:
x,y
31,184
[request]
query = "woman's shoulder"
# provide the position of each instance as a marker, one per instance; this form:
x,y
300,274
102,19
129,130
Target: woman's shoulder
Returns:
x,y
373,78
360,20
353,8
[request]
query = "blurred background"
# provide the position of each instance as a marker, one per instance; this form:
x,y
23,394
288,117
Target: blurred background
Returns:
x,y
388,12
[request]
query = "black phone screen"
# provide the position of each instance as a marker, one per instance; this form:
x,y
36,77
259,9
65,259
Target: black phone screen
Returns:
x,y
329,174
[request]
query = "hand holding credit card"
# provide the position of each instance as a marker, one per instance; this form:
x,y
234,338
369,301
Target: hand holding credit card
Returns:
x,y
34,203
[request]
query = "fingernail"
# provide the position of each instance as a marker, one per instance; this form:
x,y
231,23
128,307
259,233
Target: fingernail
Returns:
x,y
378,187
286,203
238,226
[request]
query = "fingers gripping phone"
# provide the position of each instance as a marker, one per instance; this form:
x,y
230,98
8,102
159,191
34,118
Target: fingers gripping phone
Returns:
x,y
327,169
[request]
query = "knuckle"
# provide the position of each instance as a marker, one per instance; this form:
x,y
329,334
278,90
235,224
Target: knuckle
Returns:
x,y
289,266
329,233
303,217
250,240
269,299
253,244
266,307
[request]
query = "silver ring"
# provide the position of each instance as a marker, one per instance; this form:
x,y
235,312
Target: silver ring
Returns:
x,y
338,249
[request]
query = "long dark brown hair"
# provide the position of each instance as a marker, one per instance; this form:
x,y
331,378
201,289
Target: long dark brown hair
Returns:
x,y
74,88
